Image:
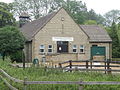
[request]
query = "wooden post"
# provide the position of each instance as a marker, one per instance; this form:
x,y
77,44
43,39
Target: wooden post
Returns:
x,y
23,60
25,85
52,64
70,64
45,69
108,65
10,82
109,71
81,86
91,64
87,64
105,66
60,65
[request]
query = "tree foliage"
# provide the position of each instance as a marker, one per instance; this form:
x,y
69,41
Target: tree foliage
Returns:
x,y
11,40
17,56
77,10
6,18
115,40
96,17
37,8
111,16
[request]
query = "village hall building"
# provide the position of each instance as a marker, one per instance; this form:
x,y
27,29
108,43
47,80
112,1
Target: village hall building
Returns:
x,y
57,38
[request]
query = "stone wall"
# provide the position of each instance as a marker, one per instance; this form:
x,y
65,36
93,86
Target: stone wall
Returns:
x,y
63,28
58,28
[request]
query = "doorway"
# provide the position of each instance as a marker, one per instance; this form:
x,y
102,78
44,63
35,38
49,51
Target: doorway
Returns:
x,y
98,51
62,46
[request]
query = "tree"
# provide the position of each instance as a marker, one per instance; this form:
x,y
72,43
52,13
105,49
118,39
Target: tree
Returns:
x,y
96,17
118,25
111,16
6,18
17,56
11,40
92,15
77,10
115,40
36,8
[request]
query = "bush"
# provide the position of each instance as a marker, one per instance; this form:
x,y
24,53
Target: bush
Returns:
x,y
17,56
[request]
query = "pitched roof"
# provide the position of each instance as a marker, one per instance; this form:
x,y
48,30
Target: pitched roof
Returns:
x,y
31,28
96,33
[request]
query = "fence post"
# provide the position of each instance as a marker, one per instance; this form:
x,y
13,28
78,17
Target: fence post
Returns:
x,y
81,85
91,64
10,82
105,65
87,64
70,64
25,85
60,65
108,66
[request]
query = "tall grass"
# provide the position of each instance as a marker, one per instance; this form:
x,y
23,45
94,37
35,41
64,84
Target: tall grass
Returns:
x,y
42,74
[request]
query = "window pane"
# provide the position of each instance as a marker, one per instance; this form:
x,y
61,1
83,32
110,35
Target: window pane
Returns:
x,y
81,50
74,50
50,46
49,50
81,46
42,47
74,46
41,50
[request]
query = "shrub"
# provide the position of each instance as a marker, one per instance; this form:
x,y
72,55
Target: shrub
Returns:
x,y
17,56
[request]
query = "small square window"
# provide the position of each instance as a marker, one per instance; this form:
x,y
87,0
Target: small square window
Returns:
x,y
42,47
74,48
81,49
49,48
41,50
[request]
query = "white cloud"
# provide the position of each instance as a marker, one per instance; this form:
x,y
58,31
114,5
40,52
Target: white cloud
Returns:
x,y
102,6
6,1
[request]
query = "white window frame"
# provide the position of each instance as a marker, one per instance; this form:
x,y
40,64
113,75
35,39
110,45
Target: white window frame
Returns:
x,y
74,47
42,47
82,48
50,48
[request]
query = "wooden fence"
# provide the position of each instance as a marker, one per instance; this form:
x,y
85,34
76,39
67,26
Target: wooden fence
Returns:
x,y
25,82
88,65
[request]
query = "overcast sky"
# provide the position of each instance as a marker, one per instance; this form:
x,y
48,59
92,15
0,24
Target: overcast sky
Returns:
x,y
100,6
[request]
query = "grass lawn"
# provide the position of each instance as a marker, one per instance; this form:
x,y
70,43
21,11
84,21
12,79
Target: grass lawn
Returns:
x,y
39,74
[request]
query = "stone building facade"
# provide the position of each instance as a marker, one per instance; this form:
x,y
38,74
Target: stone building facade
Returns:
x,y
57,38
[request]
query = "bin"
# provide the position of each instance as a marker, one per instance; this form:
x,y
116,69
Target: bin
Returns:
x,y
35,61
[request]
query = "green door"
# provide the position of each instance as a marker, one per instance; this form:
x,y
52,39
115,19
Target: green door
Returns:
x,y
98,51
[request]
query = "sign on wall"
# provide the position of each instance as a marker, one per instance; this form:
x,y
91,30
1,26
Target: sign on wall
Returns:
x,y
62,39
